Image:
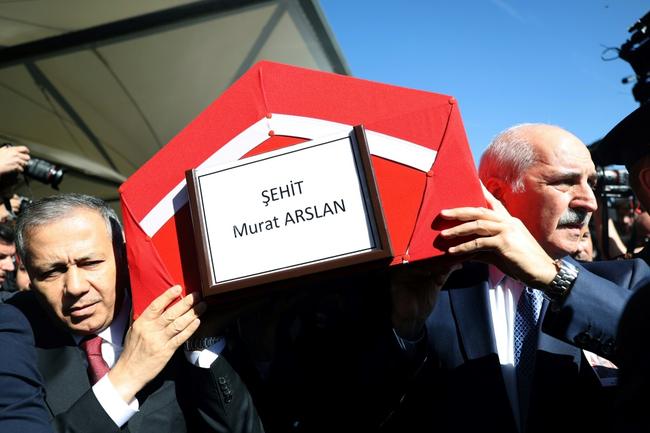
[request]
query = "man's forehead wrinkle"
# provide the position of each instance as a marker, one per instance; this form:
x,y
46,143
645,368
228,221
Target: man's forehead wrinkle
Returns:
x,y
62,253
51,257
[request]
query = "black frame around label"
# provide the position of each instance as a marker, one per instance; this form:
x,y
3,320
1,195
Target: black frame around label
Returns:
x,y
381,248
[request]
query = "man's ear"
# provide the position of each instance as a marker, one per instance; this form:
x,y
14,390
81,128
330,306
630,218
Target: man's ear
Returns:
x,y
644,179
497,187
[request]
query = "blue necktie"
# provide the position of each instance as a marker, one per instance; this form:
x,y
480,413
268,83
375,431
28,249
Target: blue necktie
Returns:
x,y
526,320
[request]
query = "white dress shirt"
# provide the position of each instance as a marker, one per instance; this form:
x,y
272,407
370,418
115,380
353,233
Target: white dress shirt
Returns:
x,y
113,345
504,294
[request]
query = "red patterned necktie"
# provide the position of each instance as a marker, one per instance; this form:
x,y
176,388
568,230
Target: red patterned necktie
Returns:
x,y
97,367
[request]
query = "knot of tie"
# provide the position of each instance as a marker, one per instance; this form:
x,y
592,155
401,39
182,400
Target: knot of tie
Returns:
x,y
97,367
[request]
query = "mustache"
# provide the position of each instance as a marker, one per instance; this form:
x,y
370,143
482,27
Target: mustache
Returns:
x,y
574,217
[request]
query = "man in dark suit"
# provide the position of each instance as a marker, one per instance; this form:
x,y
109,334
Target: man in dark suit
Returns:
x,y
22,408
497,351
629,143
101,372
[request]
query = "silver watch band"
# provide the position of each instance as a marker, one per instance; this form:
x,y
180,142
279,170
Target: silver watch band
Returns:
x,y
200,343
563,281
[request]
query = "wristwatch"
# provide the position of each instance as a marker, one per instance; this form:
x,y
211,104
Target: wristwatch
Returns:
x,y
200,343
563,281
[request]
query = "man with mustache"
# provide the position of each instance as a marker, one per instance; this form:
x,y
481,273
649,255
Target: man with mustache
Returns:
x,y
502,342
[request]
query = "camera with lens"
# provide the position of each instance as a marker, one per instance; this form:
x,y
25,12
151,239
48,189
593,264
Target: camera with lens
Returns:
x,y
613,182
40,170
44,171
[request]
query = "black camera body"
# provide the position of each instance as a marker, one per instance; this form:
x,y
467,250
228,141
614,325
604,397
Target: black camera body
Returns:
x,y
24,202
42,171
613,182
636,51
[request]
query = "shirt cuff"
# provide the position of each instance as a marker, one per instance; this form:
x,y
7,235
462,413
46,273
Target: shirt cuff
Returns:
x,y
116,408
204,358
410,347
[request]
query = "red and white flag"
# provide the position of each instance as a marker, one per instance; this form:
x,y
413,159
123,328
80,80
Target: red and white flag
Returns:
x,y
418,147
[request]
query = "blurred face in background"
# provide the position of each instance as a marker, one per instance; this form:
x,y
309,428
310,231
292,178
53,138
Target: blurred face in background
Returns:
x,y
642,225
22,278
585,250
7,253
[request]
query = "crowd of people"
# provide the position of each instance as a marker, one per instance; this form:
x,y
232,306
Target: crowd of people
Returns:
x,y
517,328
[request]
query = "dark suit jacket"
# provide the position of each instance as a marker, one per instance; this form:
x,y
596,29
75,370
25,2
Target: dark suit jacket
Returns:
x,y
336,363
22,408
309,356
565,393
633,355
181,398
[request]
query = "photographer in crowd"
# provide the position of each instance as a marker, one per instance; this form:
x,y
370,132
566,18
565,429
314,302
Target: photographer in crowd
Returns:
x,y
13,160
629,143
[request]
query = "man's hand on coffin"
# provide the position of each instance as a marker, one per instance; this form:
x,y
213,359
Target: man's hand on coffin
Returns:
x,y
153,338
499,239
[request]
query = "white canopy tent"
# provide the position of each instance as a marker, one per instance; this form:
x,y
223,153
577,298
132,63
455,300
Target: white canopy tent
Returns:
x,y
98,87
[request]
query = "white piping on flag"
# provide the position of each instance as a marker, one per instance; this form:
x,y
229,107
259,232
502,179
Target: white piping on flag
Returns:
x,y
382,145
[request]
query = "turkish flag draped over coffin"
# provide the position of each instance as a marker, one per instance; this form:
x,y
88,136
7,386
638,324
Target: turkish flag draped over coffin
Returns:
x,y
419,152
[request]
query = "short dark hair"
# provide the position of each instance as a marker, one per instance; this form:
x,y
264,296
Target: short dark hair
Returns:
x,y
49,209
7,234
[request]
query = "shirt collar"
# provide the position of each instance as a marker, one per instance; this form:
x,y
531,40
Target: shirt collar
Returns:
x,y
497,281
495,276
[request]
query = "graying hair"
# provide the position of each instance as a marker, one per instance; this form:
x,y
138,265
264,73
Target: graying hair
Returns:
x,y
53,208
507,157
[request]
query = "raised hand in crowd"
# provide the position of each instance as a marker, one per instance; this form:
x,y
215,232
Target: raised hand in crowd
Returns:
x,y
14,202
13,158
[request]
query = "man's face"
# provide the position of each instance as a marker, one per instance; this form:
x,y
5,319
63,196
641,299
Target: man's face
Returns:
x,y
7,252
585,251
72,267
22,278
557,196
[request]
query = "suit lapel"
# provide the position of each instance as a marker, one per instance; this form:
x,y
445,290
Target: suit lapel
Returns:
x,y
64,372
479,384
470,308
